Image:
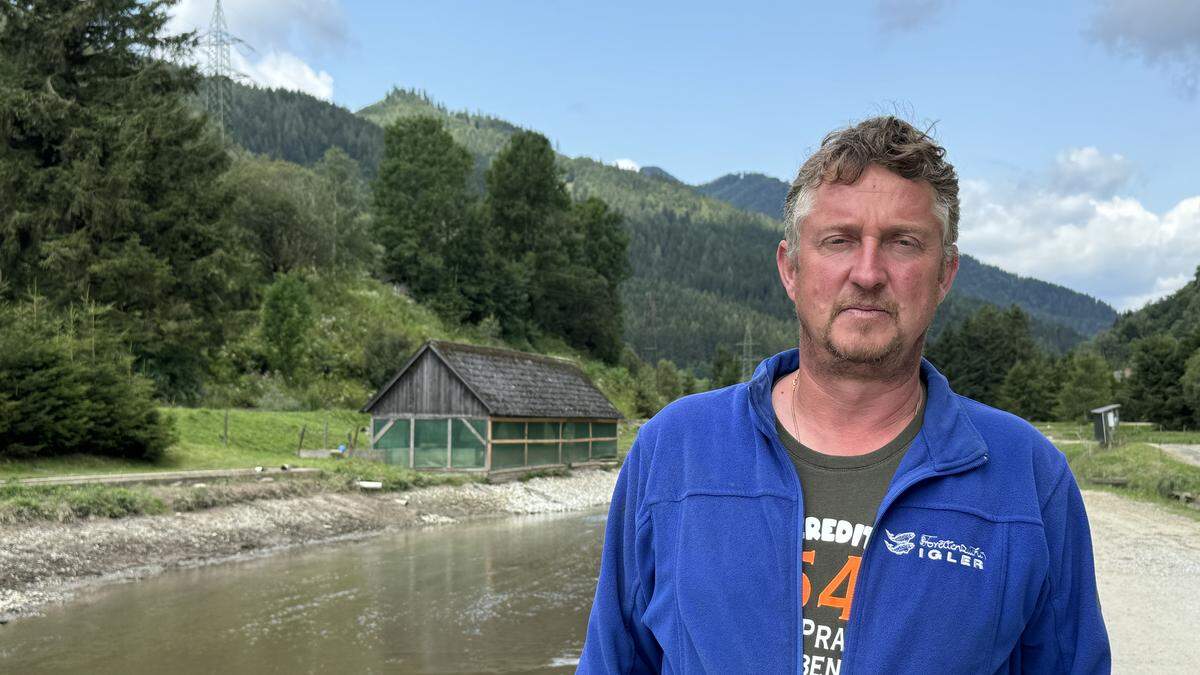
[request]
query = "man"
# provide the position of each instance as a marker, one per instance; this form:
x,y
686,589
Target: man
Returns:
x,y
845,511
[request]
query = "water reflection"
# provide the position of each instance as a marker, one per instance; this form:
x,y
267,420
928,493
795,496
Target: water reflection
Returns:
x,y
502,596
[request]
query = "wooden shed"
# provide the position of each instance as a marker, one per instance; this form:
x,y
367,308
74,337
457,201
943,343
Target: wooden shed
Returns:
x,y
459,407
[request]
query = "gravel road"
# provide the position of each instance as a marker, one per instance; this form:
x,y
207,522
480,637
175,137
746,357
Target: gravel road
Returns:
x,y
1184,453
1148,570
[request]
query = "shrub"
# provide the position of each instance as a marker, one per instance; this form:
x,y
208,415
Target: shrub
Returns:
x,y
70,388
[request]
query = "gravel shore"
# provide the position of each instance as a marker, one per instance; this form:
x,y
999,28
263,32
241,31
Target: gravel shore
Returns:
x,y
43,563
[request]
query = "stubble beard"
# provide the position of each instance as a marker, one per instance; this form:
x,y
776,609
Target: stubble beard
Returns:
x,y
859,359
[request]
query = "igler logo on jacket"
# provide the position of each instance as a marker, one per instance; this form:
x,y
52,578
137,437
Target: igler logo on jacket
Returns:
x,y
934,548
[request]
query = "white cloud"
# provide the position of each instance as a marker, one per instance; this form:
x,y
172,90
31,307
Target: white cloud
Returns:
x,y
274,33
627,164
286,25
1111,247
1163,33
286,71
1088,171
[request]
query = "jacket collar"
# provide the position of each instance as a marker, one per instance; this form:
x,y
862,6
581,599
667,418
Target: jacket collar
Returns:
x,y
950,439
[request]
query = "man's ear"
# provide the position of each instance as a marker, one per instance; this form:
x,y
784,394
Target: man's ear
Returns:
x,y
948,272
787,269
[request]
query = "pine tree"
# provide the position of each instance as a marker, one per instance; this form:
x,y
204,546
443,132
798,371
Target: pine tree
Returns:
x,y
287,321
1087,384
344,196
1189,384
667,380
107,178
527,206
1153,392
422,207
724,368
69,388
977,354
1030,389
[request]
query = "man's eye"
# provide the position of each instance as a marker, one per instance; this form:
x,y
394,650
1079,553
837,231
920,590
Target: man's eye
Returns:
x,y
905,242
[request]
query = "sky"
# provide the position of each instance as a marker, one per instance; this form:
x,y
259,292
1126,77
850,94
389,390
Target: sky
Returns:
x,y
1074,126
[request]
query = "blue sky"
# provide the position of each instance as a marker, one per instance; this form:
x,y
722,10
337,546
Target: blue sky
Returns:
x,y
1074,129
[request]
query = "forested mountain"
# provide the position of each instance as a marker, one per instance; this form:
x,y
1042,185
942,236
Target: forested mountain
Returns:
x,y
299,128
693,256
1044,301
1176,316
749,192
658,172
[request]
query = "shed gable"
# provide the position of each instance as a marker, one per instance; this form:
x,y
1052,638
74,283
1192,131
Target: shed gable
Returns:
x,y
428,387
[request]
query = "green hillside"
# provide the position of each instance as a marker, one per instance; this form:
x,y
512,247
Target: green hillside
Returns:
x,y
299,128
749,192
703,256
1177,316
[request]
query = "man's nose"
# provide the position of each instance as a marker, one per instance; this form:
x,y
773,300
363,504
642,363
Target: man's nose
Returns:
x,y
868,272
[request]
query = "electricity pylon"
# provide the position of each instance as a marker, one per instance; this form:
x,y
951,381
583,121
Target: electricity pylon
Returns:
x,y
217,67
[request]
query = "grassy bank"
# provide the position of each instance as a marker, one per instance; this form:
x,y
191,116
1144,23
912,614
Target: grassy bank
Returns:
x,y
1146,472
64,503
255,438
1127,433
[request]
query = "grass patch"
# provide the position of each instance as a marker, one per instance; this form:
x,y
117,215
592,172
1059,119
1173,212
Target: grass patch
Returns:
x,y
256,437
344,473
553,472
1153,475
62,503
1072,432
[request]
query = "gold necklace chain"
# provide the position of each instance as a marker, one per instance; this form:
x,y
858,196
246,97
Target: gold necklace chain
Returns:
x,y
796,428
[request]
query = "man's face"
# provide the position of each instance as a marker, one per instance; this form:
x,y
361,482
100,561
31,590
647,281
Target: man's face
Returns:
x,y
869,271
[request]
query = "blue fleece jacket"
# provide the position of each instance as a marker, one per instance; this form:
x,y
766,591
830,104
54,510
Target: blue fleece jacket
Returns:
x,y
980,560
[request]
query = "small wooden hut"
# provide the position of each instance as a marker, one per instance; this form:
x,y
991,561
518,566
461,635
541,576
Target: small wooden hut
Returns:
x,y
459,407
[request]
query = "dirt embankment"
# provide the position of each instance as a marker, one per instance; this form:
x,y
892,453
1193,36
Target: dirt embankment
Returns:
x,y
43,562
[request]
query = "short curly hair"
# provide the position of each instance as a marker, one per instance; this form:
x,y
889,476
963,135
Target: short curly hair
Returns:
x,y
887,142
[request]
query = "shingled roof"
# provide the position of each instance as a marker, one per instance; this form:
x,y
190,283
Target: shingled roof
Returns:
x,y
517,384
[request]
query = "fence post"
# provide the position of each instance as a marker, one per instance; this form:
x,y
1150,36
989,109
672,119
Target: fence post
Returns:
x,y
225,436
325,441
303,428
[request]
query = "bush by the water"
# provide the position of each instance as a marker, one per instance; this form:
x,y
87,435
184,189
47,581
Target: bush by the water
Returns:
x,y
69,388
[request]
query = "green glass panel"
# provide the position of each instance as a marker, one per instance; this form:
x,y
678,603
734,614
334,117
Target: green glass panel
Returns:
x,y
575,430
543,453
575,452
508,455
429,440
604,430
394,443
507,430
604,449
466,450
543,430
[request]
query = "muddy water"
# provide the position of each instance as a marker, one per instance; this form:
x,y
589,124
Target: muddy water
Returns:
x,y
500,596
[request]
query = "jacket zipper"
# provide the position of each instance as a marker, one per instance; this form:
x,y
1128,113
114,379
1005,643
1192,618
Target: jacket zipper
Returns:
x,y
856,607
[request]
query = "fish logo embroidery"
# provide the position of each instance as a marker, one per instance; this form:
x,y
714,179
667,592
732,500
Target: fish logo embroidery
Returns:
x,y
900,544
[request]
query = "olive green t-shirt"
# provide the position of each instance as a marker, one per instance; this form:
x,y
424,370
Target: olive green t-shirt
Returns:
x,y
841,498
